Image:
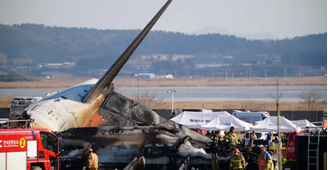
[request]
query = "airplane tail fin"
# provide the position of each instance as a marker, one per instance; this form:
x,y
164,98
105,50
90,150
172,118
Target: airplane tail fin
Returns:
x,y
107,79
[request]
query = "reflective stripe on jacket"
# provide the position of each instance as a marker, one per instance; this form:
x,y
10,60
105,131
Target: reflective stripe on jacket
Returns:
x,y
262,163
250,148
226,137
237,162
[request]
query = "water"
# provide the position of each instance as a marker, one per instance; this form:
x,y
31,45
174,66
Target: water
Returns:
x,y
228,93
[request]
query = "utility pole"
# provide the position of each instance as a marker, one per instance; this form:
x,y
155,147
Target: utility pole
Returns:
x,y
285,72
226,73
136,75
172,98
277,98
208,74
188,72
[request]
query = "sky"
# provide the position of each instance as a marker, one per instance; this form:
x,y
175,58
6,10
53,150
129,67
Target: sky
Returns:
x,y
283,18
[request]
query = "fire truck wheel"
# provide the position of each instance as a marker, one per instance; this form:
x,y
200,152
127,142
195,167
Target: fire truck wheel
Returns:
x,y
36,168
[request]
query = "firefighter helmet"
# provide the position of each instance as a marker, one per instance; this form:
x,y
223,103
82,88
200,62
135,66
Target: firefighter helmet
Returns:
x,y
236,150
90,150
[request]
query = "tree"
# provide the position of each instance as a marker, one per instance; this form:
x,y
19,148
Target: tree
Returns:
x,y
268,62
150,99
311,98
170,57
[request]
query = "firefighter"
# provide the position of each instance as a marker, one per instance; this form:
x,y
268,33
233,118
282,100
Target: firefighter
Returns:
x,y
92,160
261,160
232,137
253,136
219,135
226,136
237,161
208,134
250,145
265,161
271,138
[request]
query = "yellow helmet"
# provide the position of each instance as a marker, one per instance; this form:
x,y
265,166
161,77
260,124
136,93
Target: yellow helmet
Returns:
x,y
90,150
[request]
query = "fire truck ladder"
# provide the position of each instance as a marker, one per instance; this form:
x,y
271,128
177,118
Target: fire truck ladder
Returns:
x,y
313,148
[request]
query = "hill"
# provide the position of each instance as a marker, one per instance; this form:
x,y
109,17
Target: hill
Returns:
x,y
59,44
219,30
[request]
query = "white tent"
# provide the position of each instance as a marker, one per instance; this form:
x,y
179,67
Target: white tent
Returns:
x,y
196,119
270,124
225,122
303,123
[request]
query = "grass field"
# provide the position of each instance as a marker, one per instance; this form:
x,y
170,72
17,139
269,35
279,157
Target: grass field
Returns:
x,y
132,82
250,105
5,102
223,105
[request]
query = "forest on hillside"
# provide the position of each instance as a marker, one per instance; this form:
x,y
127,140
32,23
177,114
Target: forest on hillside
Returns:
x,y
59,44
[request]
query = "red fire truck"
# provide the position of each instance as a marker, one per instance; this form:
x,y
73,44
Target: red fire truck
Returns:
x,y
305,149
28,149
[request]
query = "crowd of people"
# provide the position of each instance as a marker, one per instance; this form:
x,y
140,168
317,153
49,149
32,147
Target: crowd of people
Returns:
x,y
237,162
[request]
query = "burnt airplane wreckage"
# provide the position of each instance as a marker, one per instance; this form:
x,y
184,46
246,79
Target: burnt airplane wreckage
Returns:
x,y
121,132
160,146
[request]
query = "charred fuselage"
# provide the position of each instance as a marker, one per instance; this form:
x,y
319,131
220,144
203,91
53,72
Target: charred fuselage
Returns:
x,y
131,130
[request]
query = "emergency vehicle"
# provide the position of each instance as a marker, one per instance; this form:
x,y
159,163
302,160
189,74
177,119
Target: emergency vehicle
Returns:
x,y
28,149
250,117
305,149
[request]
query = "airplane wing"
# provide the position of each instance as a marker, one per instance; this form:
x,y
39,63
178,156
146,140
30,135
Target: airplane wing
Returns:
x,y
107,79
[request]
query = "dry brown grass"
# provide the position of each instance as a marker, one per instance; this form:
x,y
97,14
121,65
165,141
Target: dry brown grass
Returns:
x,y
224,105
132,82
5,102
251,105
44,83
222,82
